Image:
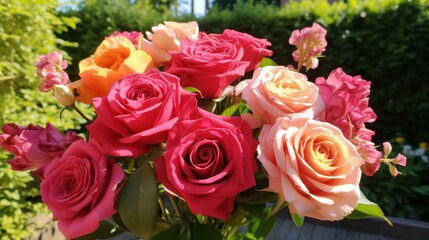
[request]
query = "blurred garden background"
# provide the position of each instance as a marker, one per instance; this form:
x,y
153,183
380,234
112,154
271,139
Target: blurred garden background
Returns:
x,y
384,41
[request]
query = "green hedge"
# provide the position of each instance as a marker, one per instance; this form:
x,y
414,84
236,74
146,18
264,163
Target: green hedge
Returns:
x,y
28,29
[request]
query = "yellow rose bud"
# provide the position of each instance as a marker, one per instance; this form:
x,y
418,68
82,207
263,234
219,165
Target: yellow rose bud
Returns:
x,y
64,95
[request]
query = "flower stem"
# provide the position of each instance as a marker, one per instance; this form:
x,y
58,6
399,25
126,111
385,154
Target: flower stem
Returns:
x,y
176,206
80,113
165,211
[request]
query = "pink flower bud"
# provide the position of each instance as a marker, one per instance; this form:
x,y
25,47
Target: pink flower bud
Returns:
x,y
393,171
387,148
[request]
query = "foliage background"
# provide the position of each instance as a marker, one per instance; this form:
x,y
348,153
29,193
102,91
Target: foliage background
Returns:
x,y
28,28
384,41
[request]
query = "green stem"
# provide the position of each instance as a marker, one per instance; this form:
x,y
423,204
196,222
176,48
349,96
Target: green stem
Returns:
x,y
80,113
176,206
231,232
164,211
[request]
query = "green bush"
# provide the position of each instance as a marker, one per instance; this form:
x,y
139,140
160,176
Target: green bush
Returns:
x,y
17,190
27,30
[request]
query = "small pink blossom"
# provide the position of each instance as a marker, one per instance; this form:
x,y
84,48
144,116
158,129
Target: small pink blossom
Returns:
x,y
133,36
34,146
52,79
48,63
370,157
50,67
400,160
310,43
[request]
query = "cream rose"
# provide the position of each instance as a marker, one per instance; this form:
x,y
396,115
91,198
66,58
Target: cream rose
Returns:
x,y
166,37
276,91
312,165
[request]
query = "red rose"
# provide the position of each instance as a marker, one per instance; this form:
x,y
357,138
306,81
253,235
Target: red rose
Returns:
x,y
34,146
138,111
209,64
80,188
254,48
208,161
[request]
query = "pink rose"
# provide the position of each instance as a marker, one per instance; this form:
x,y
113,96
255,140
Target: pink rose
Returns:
x,y
346,100
80,188
138,112
254,48
34,146
312,166
166,37
209,64
208,161
276,91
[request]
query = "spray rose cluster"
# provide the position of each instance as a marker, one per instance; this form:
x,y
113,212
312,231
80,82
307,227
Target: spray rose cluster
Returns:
x,y
193,132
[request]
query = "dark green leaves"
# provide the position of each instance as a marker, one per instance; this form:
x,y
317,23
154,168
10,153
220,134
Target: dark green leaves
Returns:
x,y
137,203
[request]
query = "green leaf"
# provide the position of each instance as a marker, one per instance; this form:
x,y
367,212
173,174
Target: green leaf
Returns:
x,y
104,231
366,208
229,111
193,90
244,108
257,210
299,221
261,228
267,62
137,202
206,232
253,196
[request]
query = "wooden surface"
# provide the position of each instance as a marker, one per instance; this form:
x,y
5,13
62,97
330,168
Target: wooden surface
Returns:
x,y
285,229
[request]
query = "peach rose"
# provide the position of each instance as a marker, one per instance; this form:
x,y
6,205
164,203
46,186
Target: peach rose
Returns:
x,y
312,166
276,91
112,60
166,37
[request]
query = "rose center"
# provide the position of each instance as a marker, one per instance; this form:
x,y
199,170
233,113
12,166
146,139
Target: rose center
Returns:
x,y
141,93
206,159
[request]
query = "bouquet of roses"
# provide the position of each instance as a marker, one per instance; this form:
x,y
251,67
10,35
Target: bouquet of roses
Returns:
x,y
200,135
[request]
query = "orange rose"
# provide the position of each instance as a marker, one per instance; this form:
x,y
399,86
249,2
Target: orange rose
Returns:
x,y
312,166
113,59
